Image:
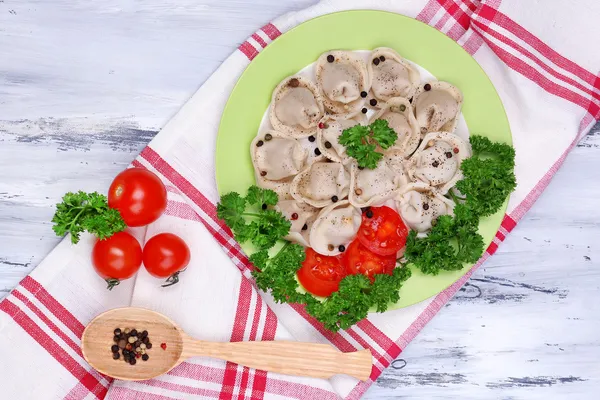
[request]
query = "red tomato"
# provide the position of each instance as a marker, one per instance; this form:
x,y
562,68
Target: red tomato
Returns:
x,y
139,195
360,260
116,258
384,232
319,274
165,256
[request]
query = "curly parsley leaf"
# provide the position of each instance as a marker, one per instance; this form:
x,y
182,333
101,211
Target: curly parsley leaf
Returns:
x,y
488,176
361,142
488,180
262,227
355,297
256,195
79,212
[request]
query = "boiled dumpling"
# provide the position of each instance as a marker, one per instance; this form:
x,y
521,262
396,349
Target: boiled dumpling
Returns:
x,y
374,186
321,184
391,75
296,107
399,116
301,216
437,106
335,226
329,132
343,79
437,160
277,159
419,205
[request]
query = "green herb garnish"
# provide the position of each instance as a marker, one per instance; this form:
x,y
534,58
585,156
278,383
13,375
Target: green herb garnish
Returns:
x,y
263,227
362,141
79,212
454,241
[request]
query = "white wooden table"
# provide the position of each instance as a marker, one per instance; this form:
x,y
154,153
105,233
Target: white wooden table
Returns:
x,y
84,85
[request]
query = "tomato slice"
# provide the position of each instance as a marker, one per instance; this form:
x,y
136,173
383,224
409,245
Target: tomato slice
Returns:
x,y
319,274
358,259
382,231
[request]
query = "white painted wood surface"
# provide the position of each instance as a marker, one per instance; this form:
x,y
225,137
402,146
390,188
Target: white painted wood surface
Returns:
x,y
84,85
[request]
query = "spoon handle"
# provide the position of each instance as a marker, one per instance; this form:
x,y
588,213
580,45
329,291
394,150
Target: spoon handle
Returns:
x,y
290,358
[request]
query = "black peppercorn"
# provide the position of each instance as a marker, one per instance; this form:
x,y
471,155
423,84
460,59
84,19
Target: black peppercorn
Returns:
x,y
114,348
133,332
148,345
363,94
327,145
369,213
376,61
410,100
116,356
117,332
425,206
145,340
317,152
132,361
116,339
304,227
263,173
137,343
144,334
448,154
427,87
435,164
373,102
311,139
264,206
342,248
334,199
259,143
381,58
364,110
145,357
268,137
330,58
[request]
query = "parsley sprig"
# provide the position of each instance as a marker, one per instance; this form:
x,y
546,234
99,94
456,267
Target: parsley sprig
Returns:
x,y
261,226
488,180
79,212
361,142
264,227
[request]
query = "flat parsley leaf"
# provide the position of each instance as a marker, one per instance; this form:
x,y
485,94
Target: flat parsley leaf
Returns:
x,y
79,212
361,142
260,196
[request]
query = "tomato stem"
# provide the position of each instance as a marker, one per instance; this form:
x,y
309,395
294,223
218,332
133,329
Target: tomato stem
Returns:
x,y
173,279
112,282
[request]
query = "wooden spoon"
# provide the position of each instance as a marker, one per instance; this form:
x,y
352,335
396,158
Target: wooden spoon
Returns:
x,y
291,358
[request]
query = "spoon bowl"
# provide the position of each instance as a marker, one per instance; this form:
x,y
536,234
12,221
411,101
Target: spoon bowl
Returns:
x,y
285,357
98,338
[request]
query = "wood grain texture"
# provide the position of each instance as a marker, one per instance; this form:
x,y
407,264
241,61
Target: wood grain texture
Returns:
x,y
84,85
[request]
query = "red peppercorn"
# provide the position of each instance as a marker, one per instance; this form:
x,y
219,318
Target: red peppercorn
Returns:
x,y
455,150
321,125
294,216
163,346
138,355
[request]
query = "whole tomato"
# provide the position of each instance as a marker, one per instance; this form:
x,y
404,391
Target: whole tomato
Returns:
x,y
139,195
116,258
165,256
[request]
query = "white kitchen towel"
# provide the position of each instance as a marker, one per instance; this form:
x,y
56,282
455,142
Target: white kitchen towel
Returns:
x,y
537,55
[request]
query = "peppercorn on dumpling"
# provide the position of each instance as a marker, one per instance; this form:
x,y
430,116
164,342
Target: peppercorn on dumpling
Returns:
x,y
343,80
296,107
321,184
335,226
420,205
391,75
437,106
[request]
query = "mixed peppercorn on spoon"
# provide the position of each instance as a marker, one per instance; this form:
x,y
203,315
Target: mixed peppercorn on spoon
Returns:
x,y
172,346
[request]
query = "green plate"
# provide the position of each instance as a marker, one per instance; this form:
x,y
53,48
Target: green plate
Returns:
x,y
356,30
